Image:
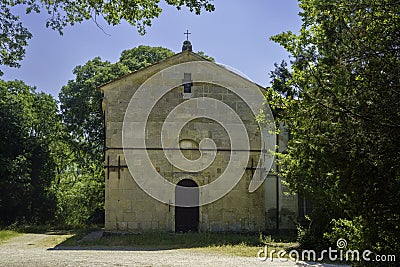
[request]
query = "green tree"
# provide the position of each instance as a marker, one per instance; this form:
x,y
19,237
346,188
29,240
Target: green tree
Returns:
x,y
204,55
80,104
140,13
344,119
143,56
80,184
29,125
13,37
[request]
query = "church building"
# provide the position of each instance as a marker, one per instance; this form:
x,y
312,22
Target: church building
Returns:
x,y
184,152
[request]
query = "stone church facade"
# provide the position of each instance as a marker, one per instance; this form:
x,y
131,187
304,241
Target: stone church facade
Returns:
x,y
128,208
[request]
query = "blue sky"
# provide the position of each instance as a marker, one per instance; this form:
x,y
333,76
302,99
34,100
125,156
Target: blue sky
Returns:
x,y
236,34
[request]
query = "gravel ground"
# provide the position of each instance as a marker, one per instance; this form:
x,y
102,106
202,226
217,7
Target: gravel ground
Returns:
x,y
38,250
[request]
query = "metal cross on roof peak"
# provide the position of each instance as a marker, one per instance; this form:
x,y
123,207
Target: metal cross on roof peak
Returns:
x,y
187,35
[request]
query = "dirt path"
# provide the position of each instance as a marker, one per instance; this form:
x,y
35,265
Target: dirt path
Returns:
x,y
38,250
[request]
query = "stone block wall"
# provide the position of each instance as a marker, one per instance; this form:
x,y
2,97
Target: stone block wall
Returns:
x,y
130,209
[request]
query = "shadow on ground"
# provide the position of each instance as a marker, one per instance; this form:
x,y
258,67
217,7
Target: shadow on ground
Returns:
x,y
153,241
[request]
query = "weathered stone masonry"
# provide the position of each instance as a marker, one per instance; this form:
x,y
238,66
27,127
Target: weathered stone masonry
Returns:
x,y
130,209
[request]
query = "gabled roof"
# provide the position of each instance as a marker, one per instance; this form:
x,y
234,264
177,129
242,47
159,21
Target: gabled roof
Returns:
x,y
185,56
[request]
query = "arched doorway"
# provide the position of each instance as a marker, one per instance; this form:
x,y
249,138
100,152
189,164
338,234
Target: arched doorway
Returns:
x,y
186,218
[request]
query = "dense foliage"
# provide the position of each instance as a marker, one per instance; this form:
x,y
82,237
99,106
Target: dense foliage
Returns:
x,y
341,101
140,13
29,127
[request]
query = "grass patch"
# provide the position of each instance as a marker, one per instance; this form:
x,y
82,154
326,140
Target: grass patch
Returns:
x,y
55,234
7,234
246,245
53,240
244,250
